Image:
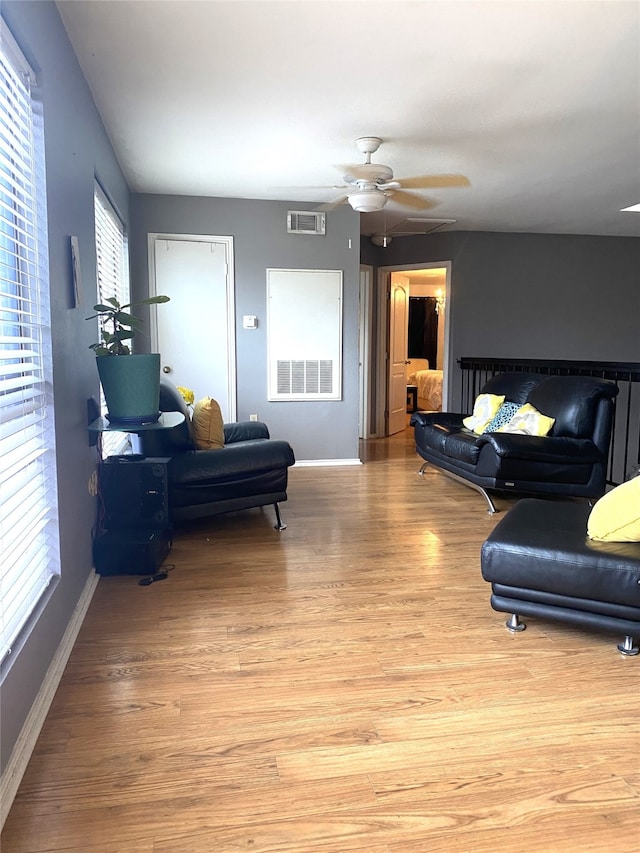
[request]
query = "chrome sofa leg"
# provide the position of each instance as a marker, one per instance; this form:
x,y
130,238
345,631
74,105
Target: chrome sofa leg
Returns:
x,y
483,492
627,648
278,525
491,506
514,624
458,479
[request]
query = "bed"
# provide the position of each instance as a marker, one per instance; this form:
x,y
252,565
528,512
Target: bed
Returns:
x,y
428,383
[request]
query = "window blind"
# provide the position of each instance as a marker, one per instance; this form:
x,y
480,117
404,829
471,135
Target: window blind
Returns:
x,y
112,264
28,494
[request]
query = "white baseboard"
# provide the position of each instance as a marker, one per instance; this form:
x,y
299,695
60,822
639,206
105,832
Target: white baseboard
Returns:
x,y
14,771
325,463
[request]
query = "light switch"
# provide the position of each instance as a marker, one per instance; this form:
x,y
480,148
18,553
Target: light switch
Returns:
x,y
249,321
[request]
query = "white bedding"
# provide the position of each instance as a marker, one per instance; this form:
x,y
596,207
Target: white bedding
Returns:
x,y
429,384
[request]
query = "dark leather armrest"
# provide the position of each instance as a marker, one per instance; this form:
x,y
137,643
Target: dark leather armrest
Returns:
x,y
245,431
540,448
445,419
230,462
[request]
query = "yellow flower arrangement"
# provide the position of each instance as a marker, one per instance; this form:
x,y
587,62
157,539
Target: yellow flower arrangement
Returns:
x,y
187,395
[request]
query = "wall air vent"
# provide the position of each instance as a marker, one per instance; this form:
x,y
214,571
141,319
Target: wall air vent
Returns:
x,y
305,378
306,222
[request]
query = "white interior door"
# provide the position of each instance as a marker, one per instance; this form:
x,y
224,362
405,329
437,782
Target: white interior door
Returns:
x,y
195,331
398,342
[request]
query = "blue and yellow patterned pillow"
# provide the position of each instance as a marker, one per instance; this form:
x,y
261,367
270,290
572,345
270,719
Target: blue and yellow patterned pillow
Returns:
x,y
528,421
502,417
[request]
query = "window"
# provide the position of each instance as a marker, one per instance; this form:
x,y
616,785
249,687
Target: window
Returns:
x,y
28,493
112,263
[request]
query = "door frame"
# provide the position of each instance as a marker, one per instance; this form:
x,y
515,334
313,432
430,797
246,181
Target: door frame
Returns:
x,y
365,341
227,242
382,337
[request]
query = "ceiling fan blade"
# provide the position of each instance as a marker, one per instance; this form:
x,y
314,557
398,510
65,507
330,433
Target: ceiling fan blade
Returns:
x,y
410,200
312,187
423,182
331,205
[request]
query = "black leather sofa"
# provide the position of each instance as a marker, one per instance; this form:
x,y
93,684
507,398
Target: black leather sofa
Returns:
x,y
251,470
570,461
540,562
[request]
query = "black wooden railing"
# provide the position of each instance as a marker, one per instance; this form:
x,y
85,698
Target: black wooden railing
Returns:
x,y
625,437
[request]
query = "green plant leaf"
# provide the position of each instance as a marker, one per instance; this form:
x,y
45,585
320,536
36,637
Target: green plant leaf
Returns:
x,y
125,319
123,324
153,300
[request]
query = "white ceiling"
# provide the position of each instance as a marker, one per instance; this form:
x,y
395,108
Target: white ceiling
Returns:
x,y
537,103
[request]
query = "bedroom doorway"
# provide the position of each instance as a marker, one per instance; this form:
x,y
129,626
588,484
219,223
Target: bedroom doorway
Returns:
x,y
430,281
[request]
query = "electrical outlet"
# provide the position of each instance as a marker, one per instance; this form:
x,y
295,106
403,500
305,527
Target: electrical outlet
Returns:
x,y
253,417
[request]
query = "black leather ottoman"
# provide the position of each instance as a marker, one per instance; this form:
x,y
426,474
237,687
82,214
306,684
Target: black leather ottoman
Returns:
x,y
540,562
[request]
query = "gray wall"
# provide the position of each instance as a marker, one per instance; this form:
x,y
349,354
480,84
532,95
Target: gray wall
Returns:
x,y
532,295
77,148
316,430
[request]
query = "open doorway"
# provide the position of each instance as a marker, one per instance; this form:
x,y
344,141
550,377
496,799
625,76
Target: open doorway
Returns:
x,y
432,282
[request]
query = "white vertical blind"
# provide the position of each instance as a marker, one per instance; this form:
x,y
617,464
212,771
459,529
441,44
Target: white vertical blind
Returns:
x,y
112,264
29,545
111,250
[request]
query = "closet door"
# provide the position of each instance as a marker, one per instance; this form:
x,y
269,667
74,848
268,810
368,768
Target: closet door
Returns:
x,y
195,331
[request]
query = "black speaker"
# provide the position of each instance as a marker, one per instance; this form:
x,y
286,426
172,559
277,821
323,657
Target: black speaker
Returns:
x,y
135,551
134,492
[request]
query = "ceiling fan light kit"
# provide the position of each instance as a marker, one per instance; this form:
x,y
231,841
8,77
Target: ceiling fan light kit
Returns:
x,y
367,200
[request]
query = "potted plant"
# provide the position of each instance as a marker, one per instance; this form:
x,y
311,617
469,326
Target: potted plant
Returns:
x,y
131,383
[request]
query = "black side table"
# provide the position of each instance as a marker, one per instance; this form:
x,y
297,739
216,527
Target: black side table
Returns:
x,y
167,420
134,535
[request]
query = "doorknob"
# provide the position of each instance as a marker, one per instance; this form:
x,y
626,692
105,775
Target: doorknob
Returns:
x,y
166,369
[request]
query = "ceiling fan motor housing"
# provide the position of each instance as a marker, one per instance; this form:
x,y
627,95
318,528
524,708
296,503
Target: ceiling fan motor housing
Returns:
x,y
371,173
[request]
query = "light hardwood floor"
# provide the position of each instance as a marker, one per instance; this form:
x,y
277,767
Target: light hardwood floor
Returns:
x,y
341,687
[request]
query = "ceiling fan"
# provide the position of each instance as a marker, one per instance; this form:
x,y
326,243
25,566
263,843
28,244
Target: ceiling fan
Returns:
x,y
370,185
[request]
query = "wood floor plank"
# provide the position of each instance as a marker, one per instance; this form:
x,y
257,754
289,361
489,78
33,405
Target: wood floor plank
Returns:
x,y
341,687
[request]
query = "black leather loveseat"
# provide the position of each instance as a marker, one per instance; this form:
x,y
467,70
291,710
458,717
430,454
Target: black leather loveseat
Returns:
x,y
251,470
570,461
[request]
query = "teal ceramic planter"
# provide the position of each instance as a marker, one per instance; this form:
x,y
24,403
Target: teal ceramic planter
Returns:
x,y
131,385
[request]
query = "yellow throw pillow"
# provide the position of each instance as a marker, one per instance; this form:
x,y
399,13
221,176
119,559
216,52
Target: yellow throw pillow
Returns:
x,y
616,516
528,421
484,409
208,427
